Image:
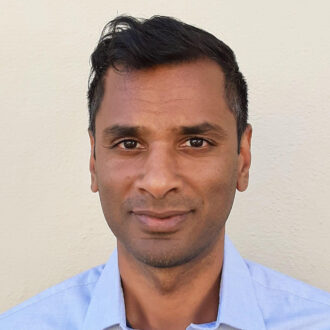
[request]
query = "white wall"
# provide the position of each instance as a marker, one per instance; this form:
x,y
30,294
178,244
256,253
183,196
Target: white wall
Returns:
x,y
51,225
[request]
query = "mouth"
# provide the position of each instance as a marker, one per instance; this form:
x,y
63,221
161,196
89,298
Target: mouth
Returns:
x,y
160,222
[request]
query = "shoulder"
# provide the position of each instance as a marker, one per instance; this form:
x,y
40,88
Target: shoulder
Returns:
x,y
50,309
287,303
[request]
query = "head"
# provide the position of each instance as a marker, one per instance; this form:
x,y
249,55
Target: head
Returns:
x,y
170,143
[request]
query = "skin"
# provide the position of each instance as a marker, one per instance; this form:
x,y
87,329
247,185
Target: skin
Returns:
x,y
163,167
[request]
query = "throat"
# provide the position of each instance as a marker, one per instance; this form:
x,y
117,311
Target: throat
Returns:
x,y
172,299
172,310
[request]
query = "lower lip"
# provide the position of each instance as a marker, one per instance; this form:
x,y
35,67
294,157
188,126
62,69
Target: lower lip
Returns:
x,y
165,225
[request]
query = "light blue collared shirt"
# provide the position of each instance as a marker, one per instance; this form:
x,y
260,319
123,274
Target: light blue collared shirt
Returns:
x,y
252,297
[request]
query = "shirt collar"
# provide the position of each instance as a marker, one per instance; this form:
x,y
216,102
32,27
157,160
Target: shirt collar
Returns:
x,y
238,306
107,306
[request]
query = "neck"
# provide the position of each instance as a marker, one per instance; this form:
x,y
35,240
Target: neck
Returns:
x,y
171,298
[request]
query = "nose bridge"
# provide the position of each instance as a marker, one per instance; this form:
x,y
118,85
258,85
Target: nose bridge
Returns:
x,y
159,174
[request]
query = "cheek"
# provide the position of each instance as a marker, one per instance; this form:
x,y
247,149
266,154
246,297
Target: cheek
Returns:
x,y
114,183
114,174
219,186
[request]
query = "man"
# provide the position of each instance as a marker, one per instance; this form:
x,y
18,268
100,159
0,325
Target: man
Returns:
x,y
170,144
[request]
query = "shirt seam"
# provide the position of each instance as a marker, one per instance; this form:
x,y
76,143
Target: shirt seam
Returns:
x,y
291,293
44,298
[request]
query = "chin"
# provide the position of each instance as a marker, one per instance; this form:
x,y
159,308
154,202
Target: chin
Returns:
x,y
164,261
164,253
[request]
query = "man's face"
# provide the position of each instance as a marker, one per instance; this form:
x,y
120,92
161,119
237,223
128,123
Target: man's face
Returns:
x,y
166,164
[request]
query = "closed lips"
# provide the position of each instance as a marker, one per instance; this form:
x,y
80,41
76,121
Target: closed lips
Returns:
x,y
159,215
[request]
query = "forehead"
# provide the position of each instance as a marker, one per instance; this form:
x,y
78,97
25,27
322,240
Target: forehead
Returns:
x,y
165,97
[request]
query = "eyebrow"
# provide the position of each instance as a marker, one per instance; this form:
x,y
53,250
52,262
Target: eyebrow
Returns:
x,y
136,131
122,131
202,129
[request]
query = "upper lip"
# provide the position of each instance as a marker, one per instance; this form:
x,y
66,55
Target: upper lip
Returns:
x,y
160,215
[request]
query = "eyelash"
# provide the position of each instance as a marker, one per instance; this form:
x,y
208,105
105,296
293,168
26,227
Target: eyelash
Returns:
x,y
191,138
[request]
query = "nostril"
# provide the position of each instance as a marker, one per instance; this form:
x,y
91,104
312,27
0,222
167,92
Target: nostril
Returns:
x,y
156,189
158,174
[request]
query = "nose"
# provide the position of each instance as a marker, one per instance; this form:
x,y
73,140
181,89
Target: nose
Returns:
x,y
159,174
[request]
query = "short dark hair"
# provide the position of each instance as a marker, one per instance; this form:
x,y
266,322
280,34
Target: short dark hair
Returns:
x,y
128,43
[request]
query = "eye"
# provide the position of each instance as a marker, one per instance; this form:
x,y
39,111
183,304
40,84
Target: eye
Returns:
x,y
128,144
196,142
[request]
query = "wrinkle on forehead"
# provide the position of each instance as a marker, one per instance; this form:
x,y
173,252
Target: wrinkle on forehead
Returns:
x,y
171,78
166,96
161,101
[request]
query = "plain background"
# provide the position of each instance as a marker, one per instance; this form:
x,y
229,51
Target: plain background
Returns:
x,y
52,226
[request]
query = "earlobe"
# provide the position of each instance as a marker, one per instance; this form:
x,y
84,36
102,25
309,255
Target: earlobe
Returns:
x,y
244,160
94,186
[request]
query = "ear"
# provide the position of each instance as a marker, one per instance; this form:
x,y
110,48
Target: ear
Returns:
x,y
94,186
244,160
